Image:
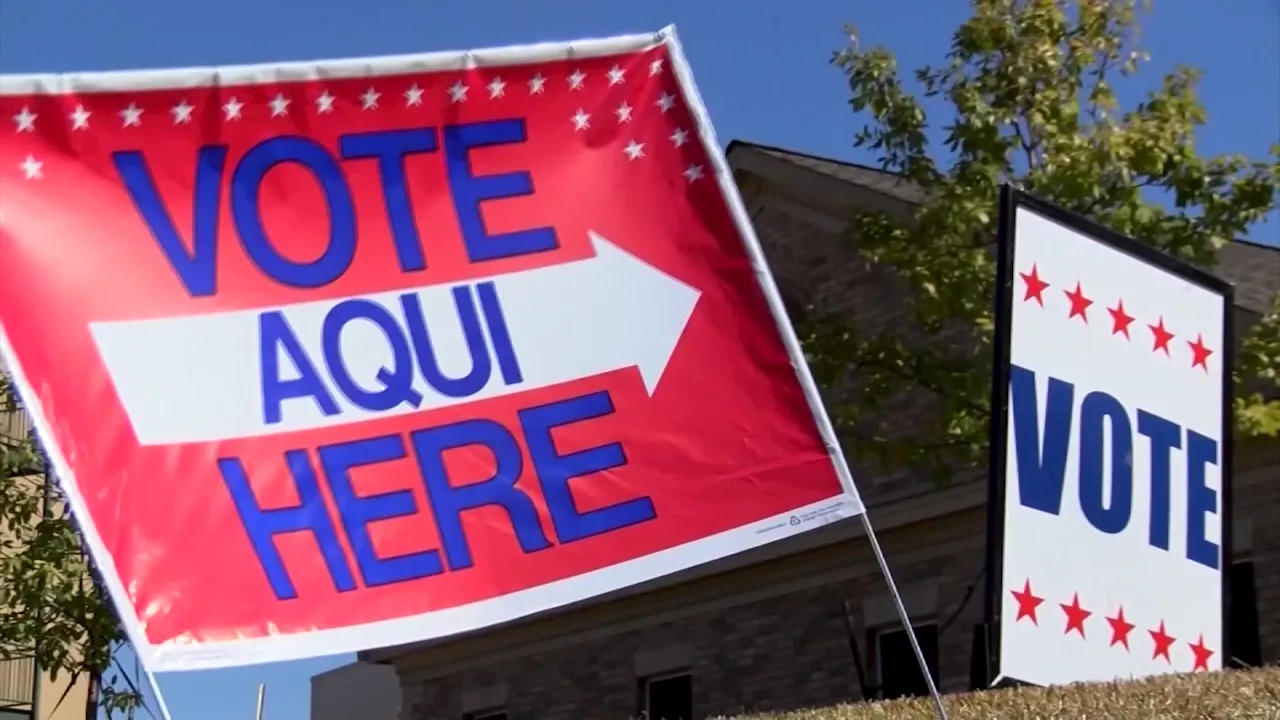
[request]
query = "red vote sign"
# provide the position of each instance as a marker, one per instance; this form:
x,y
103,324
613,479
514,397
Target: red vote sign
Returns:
x,y
339,355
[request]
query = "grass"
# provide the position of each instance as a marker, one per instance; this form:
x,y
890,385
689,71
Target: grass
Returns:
x,y
1235,695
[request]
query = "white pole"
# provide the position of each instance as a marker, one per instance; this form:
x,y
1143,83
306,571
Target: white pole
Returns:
x,y
262,696
155,690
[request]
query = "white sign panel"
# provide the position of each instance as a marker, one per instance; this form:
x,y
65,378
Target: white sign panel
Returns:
x,y
1110,508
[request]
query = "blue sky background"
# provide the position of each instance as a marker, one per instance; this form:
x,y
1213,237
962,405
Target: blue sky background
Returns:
x,y
764,73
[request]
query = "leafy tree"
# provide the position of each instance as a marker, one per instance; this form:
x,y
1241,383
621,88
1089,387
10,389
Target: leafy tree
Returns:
x,y
1028,88
50,602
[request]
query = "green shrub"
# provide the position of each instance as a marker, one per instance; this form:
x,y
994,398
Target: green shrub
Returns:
x,y
1233,695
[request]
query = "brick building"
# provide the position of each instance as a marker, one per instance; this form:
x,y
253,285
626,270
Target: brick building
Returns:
x,y
26,691
358,690
770,629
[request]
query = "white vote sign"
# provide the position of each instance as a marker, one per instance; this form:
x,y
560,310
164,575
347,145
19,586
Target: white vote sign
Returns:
x,y
1110,506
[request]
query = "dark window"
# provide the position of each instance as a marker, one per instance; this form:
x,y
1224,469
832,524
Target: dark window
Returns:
x,y
668,697
896,667
1245,647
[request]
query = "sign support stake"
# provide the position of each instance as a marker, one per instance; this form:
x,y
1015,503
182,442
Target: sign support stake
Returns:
x,y
904,617
155,690
742,219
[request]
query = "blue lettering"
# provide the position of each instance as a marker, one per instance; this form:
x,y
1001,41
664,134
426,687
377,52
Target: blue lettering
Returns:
x,y
503,348
470,190
246,184
1201,499
555,470
397,381
194,260
197,269
1040,471
411,348
1106,450
1113,516
1165,437
390,148
310,515
481,367
358,512
448,501
275,336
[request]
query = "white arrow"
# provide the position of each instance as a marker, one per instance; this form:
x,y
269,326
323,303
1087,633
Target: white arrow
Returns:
x,y
198,378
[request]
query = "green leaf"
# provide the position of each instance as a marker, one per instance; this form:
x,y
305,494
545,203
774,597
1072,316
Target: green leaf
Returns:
x,y
1024,95
48,588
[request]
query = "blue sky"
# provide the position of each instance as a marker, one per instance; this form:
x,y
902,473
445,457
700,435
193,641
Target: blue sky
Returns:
x,y
764,74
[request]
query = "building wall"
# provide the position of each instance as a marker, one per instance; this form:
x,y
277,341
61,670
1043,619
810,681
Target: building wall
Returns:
x,y
772,635
359,690
63,698
761,638
1256,536
66,696
816,263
